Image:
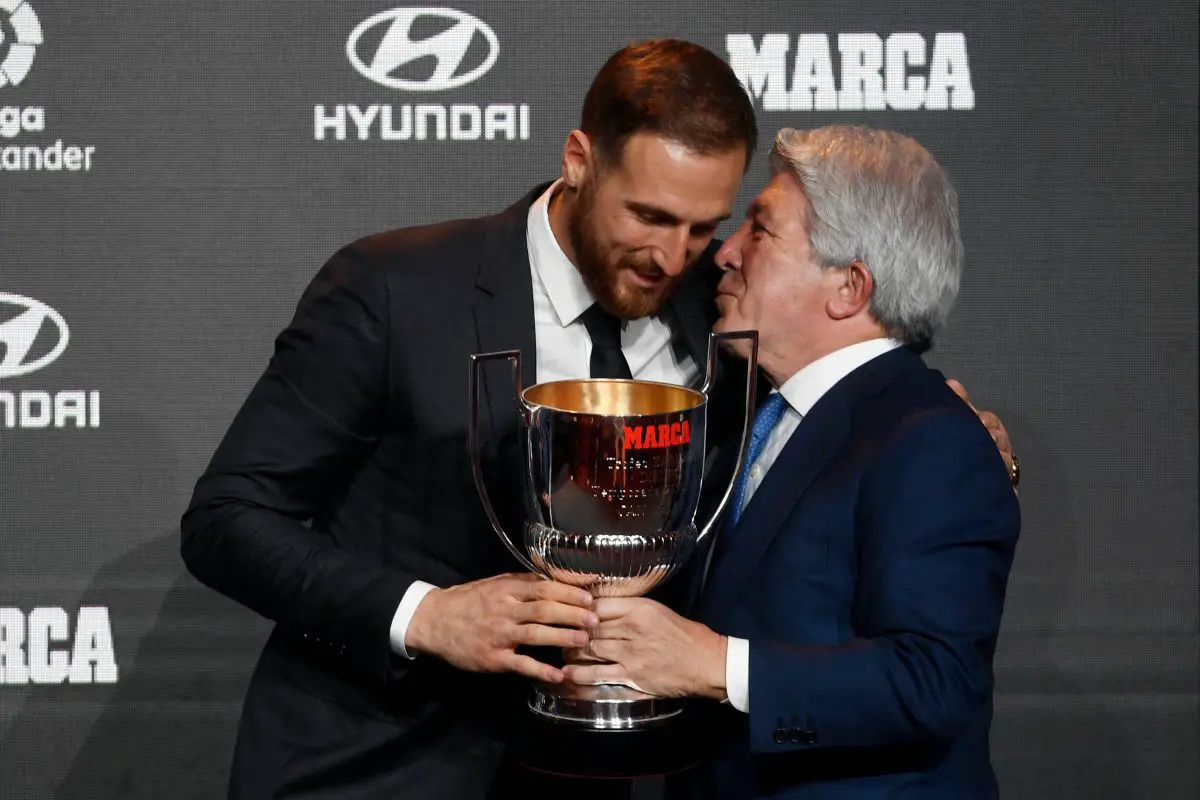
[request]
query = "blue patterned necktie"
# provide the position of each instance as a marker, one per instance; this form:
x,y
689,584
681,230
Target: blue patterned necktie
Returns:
x,y
765,420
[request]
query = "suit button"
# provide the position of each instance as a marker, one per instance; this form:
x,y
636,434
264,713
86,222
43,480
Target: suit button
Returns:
x,y
780,735
794,735
809,737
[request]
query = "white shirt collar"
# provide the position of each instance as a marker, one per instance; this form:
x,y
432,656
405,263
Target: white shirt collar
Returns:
x,y
568,294
806,387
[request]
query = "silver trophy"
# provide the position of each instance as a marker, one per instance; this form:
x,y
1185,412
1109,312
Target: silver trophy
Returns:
x,y
613,473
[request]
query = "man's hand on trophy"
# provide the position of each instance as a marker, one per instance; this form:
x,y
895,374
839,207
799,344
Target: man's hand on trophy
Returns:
x,y
478,626
651,648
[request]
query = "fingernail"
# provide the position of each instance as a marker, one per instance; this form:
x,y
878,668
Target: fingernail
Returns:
x,y
580,638
585,599
592,620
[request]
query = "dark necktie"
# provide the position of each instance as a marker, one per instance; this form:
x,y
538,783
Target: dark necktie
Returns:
x,y
607,359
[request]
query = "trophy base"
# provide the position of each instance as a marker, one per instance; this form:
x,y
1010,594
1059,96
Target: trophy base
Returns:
x,y
666,737
607,707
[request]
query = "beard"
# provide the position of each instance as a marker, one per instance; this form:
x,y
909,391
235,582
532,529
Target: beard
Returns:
x,y
602,274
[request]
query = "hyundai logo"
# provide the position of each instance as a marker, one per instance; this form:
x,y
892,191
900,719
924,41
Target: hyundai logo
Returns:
x,y
397,48
19,333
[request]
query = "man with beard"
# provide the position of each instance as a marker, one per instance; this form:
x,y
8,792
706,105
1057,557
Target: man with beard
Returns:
x,y
341,502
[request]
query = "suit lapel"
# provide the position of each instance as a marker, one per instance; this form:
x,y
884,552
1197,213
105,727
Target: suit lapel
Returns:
x,y
693,309
503,308
687,307
742,547
815,442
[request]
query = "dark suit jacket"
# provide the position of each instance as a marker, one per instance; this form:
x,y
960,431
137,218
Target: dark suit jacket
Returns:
x,y
868,573
345,477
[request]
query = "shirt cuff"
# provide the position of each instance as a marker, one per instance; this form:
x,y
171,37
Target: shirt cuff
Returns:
x,y
404,614
737,673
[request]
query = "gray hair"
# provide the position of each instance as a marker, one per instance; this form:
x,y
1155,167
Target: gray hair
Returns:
x,y
879,198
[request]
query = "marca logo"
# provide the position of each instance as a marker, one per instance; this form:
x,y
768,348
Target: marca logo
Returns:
x,y
398,48
901,72
43,648
638,437
18,334
20,35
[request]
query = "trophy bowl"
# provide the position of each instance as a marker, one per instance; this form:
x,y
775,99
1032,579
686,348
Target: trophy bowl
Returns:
x,y
613,471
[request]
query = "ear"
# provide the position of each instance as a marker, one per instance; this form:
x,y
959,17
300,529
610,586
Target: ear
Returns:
x,y
853,287
577,160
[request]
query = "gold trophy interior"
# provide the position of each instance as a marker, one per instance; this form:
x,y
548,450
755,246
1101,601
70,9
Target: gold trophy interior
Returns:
x,y
612,397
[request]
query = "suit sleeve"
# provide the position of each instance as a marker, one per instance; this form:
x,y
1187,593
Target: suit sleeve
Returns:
x,y
313,416
937,524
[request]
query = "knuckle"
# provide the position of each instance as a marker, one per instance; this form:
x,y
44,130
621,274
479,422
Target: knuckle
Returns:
x,y
536,611
507,635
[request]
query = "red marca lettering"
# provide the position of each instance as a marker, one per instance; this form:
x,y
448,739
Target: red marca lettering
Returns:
x,y
639,437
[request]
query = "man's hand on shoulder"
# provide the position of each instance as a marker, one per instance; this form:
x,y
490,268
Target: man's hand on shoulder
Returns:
x,y
478,626
995,427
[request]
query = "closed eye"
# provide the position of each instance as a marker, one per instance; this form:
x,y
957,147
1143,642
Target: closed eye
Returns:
x,y
652,217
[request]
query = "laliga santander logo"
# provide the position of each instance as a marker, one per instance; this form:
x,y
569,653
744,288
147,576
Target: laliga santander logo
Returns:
x,y
20,35
398,48
31,339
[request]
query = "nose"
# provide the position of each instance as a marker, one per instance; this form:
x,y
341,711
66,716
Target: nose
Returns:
x,y
673,252
729,254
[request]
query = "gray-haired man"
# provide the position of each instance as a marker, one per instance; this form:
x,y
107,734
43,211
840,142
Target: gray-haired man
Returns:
x,y
849,617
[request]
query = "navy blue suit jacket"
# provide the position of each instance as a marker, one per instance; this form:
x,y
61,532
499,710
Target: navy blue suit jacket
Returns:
x,y
868,573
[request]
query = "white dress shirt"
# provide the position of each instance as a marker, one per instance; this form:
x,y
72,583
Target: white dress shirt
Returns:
x,y
564,348
801,391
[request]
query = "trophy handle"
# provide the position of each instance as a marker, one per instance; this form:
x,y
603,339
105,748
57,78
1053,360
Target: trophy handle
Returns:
x,y
514,358
714,340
